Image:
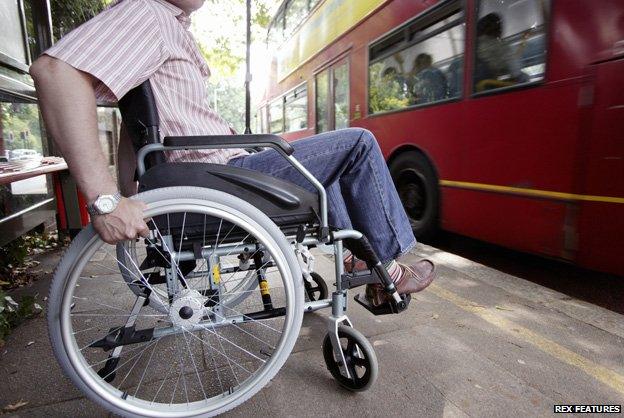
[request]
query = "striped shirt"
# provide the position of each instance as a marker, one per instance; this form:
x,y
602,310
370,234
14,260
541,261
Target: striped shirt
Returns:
x,y
136,40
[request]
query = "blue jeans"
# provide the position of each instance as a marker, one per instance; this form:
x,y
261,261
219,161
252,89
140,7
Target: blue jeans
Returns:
x,y
360,191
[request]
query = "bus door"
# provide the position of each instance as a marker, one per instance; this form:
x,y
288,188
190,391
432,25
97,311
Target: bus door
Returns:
x,y
332,97
601,220
520,132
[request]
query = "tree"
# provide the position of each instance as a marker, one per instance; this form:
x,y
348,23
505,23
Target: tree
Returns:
x,y
20,121
69,14
219,28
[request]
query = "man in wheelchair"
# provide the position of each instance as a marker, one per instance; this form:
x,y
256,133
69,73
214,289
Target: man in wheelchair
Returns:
x,y
327,188
149,39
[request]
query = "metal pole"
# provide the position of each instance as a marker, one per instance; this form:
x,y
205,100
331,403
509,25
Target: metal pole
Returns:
x,y
248,73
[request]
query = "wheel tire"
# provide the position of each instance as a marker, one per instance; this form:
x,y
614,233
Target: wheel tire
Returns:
x,y
87,238
417,185
318,286
369,359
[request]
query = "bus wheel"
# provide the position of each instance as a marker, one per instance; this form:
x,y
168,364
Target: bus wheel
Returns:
x,y
416,183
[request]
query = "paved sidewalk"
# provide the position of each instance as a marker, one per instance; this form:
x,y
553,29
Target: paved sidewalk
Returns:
x,y
476,343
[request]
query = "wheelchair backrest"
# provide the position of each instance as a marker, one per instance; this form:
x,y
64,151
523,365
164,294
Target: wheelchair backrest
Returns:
x,y
140,116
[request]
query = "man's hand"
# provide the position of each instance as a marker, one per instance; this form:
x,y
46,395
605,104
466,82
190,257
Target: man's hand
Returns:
x,y
124,223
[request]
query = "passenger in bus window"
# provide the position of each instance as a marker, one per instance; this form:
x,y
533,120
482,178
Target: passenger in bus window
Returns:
x,y
497,64
429,83
394,82
425,83
100,59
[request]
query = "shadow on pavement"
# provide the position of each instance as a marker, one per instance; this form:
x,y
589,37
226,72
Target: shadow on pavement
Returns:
x,y
601,289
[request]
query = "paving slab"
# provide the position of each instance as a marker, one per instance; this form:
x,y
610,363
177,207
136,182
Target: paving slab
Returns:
x,y
476,343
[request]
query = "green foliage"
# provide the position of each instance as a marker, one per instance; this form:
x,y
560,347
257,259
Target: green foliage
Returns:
x,y
385,92
12,255
21,121
13,313
222,61
262,16
68,14
230,101
223,47
15,261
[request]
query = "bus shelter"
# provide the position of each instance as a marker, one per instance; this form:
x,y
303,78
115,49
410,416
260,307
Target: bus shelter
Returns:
x,y
36,190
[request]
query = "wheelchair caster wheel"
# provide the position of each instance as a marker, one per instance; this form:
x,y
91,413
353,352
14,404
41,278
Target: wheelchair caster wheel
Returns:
x,y
359,356
317,289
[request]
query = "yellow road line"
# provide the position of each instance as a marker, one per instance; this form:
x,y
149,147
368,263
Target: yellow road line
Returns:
x,y
603,374
530,192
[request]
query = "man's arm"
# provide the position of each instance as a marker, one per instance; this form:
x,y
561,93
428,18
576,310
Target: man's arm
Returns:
x,y
67,101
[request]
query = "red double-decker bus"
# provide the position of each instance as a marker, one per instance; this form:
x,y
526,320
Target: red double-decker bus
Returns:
x,y
501,120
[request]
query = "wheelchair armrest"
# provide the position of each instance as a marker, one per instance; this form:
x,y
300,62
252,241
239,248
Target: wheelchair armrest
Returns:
x,y
216,141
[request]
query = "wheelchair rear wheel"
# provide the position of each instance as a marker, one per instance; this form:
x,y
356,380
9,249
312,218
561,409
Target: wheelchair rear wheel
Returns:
x,y
162,330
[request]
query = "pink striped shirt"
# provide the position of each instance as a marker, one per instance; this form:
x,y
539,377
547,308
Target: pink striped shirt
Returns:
x,y
136,40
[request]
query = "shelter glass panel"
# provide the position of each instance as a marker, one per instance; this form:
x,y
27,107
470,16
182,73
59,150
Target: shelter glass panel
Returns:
x,y
11,35
21,149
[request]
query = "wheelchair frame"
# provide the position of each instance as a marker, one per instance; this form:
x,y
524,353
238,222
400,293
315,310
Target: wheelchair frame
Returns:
x,y
141,118
338,301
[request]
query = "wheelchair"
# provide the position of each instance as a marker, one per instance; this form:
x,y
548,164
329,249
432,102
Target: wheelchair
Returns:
x,y
196,318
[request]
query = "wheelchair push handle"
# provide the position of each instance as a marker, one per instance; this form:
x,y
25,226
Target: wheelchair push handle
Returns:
x,y
230,141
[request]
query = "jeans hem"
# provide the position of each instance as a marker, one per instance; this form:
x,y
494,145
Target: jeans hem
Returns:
x,y
402,251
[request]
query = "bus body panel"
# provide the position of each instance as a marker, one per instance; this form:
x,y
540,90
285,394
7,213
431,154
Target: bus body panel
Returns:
x,y
601,224
548,145
529,224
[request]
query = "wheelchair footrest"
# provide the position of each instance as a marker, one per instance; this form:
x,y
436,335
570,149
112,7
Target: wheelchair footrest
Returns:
x,y
390,307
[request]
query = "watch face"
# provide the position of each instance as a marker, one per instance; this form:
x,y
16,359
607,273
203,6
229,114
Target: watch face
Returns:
x,y
105,205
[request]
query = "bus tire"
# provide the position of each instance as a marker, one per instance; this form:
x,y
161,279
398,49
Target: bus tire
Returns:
x,y
417,185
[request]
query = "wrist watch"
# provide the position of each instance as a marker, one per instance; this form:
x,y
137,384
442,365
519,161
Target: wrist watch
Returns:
x,y
104,204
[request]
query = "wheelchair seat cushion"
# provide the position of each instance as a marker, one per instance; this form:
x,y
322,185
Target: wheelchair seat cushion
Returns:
x,y
287,204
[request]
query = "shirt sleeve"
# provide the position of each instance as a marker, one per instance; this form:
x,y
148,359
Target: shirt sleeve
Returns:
x,y
122,47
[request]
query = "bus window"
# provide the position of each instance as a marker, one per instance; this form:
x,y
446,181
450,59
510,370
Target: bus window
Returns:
x,y
322,101
421,65
276,116
332,100
312,4
263,121
511,43
341,96
296,109
275,35
296,11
